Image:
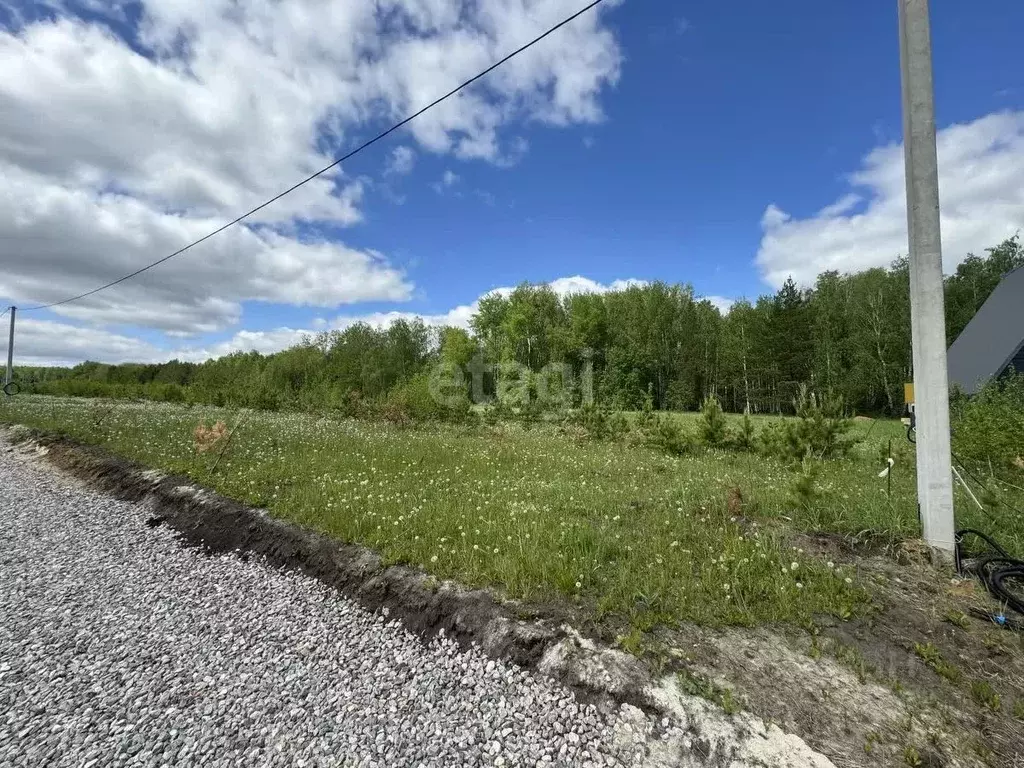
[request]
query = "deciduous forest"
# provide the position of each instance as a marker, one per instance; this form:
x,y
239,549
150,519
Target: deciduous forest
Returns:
x,y
849,334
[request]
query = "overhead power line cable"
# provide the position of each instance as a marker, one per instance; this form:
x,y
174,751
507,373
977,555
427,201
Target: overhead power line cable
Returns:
x,y
327,168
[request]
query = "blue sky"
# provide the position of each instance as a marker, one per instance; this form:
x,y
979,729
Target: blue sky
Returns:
x,y
717,115
660,166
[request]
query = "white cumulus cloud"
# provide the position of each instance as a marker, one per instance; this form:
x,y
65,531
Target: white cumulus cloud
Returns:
x,y
115,152
981,165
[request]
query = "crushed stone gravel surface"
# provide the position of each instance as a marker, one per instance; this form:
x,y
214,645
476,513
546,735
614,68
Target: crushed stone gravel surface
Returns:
x,y
120,647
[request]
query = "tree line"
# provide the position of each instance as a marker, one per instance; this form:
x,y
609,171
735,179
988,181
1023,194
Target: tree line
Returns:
x,y
656,345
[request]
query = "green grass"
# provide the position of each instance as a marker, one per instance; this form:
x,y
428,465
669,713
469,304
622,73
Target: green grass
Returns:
x,y
931,656
619,530
696,685
985,695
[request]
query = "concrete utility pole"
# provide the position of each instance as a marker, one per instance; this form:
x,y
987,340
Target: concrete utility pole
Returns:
x,y
927,302
10,353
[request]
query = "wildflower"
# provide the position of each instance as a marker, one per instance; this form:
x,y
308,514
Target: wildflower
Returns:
x,y
579,585
793,566
849,580
799,585
433,559
831,564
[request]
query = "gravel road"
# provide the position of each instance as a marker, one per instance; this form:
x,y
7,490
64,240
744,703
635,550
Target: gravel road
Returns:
x,y
120,647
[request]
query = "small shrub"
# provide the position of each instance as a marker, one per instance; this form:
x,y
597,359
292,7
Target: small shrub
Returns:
x,y
746,437
647,418
592,419
415,401
713,431
531,412
818,431
804,492
669,436
772,440
618,426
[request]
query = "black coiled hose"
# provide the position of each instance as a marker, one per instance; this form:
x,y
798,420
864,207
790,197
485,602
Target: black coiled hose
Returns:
x,y
1001,573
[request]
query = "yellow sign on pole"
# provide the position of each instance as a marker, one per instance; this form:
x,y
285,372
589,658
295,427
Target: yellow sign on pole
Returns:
x,y
908,393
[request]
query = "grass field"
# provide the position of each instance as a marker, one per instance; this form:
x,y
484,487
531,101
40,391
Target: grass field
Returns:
x,y
620,530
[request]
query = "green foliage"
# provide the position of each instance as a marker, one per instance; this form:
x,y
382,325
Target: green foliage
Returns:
x,y
988,429
804,492
697,685
713,430
931,656
819,431
618,426
957,618
974,280
650,347
600,423
985,695
417,400
670,436
746,435
646,419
